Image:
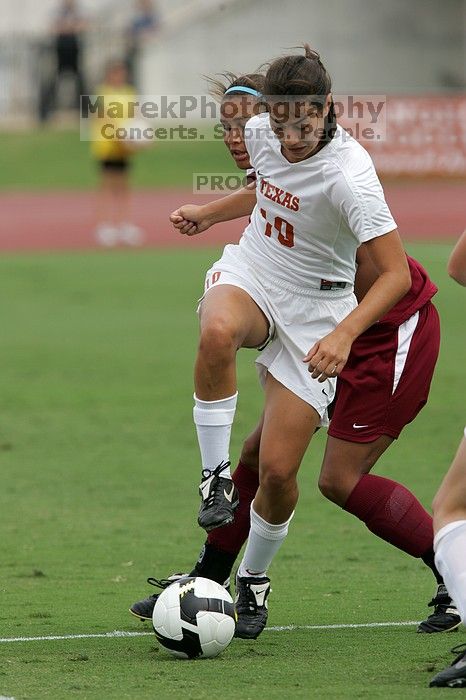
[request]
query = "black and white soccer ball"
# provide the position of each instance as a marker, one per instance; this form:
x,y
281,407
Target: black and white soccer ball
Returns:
x,y
194,618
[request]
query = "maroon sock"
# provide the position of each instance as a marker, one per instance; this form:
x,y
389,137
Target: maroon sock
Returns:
x,y
393,513
231,538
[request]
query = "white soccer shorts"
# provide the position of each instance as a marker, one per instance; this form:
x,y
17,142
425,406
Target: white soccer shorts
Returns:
x,y
298,317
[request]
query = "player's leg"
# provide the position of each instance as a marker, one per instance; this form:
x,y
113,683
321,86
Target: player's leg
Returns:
x,y
117,189
450,529
229,319
121,194
286,361
388,509
450,500
385,385
345,480
106,231
450,546
128,232
223,544
344,464
219,552
289,423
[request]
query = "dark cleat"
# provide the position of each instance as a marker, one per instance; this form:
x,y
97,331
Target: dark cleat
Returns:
x,y
144,608
453,676
251,606
445,617
219,499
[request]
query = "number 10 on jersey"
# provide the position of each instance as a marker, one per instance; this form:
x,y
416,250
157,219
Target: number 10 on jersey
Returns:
x,y
283,228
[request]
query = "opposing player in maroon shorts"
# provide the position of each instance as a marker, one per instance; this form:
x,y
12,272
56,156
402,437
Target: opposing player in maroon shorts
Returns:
x,y
382,388
384,385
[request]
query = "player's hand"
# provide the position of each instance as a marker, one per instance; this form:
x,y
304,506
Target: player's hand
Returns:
x,y
190,219
328,356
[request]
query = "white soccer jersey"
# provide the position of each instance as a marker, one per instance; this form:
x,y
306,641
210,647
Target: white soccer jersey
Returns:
x,y
311,216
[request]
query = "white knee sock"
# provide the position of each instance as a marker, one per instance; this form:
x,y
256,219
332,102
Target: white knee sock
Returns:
x,y
263,543
450,559
213,420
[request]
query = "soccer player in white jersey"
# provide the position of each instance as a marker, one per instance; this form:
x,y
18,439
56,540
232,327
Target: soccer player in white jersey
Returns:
x,y
289,282
351,451
450,519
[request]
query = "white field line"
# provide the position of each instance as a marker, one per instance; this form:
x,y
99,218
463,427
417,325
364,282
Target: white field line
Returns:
x,y
121,633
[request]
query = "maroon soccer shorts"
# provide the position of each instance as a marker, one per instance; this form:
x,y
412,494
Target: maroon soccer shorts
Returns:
x,y
386,380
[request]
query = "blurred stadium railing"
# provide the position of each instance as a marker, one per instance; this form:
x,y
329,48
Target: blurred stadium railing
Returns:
x,y
19,59
27,62
425,135
27,65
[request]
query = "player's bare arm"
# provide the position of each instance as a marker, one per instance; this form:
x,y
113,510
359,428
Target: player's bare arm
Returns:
x,y
191,219
366,273
457,262
328,356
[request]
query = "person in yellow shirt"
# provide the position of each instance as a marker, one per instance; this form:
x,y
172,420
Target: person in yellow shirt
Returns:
x,y
113,156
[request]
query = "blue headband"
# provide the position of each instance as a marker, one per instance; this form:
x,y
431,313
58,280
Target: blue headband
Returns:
x,y
241,88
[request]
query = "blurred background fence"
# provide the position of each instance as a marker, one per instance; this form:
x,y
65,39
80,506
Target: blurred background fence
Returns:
x,y
413,52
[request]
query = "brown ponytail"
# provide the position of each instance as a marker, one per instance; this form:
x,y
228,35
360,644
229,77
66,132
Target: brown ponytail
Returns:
x,y
298,75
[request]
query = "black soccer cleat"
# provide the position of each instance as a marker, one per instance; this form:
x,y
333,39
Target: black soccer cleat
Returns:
x,y
144,608
219,499
445,617
453,676
251,606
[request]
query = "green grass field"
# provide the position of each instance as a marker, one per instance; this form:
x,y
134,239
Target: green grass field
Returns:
x,y
35,161
100,467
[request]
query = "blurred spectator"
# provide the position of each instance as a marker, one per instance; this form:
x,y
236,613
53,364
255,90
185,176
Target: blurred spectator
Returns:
x,y
113,158
67,29
144,24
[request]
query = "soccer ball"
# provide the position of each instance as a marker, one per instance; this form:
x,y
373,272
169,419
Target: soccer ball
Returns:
x,y
194,618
